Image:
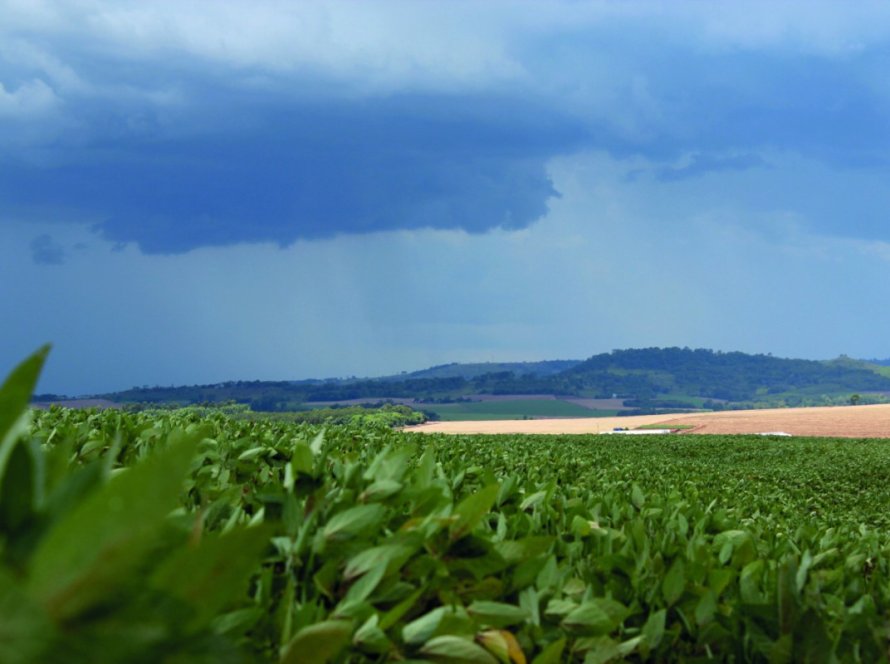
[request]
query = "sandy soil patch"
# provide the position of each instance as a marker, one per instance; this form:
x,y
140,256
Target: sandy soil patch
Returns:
x,y
839,421
549,425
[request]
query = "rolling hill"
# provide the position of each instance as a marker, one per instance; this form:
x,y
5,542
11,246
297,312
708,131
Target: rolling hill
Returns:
x,y
648,378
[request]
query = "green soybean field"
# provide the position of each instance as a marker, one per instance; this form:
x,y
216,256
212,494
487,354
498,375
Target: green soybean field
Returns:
x,y
194,536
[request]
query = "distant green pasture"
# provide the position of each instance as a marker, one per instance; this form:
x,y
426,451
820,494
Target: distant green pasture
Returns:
x,y
878,369
514,410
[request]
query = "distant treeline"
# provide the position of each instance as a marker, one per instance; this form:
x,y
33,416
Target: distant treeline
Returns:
x,y
641,376
716,375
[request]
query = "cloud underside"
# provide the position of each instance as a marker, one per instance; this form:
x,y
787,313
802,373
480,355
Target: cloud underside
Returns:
x,y
306,173
174,139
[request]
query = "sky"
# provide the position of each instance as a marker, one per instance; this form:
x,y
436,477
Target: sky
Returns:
x,y
195,192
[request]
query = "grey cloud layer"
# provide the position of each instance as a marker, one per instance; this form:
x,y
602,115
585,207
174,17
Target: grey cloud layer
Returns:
x,y
173,132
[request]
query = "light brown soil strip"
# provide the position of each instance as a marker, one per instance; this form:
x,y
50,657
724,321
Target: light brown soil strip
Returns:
x,y
838,421
549,425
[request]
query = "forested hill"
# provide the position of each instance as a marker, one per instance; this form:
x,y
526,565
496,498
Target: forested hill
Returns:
x,y
730,376
475,369
638,375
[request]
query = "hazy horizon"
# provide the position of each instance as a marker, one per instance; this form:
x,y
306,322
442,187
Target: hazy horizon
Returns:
x,y
192,193
397,372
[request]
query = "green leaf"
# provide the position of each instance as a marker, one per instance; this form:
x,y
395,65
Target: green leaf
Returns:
x,y
362,589
719,579
456,650
380,490
560,607
17,465
211,574
472,509
508,487
533,500
597,616
90,554
238,621
514,551
580,526
389,465
426,469
627,647
17,488
653,630
372,472
391,556
317,443
749,582
354,522
252,453
706,608
496,614
552,654
725,552
396,613
495,642
302,460
602,650
317,644
637,497
370,638
25,632
70,489
422,629
439,620
15,395
674,582
800,579
528,600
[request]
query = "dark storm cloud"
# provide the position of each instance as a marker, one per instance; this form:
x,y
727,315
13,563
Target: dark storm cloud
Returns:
x,y
235,131
285,172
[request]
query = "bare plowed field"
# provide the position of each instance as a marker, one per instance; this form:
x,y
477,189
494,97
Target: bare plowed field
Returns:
x,y
840,421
